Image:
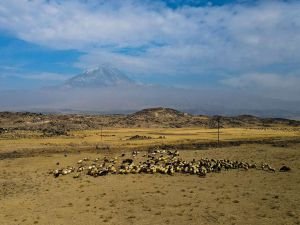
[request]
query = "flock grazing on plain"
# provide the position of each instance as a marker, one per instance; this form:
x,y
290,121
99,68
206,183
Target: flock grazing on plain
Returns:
x,y
157,162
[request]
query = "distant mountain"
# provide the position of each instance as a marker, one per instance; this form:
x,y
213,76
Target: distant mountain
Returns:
x,y
102,76
108,90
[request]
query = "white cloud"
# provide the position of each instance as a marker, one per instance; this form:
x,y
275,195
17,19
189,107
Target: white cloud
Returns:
x,y
264,80
263,38
71,24
43,76
47,76
273,85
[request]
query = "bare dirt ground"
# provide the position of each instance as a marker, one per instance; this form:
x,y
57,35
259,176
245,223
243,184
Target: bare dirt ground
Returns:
x,y
29,195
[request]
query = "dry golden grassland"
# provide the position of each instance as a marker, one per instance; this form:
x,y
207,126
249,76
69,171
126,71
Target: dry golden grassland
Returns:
x,y
119,138
30,195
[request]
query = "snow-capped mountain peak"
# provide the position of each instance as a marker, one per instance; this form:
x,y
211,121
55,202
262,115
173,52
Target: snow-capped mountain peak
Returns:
x,y
102,76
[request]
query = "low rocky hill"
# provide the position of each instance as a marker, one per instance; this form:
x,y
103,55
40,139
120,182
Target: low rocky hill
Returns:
x,y
147,118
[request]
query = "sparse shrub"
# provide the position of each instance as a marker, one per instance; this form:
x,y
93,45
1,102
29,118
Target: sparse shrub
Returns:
x,y
54,131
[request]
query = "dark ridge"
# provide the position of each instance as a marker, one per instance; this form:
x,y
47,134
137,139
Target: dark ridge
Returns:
x,y
160,110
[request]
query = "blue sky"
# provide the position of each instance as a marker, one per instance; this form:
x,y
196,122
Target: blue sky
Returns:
x,y
242,44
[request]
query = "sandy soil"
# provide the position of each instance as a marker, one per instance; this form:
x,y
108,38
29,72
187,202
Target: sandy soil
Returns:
x,y
29,195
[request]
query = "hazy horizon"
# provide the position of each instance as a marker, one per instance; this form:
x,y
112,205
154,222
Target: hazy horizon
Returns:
x,y
216,57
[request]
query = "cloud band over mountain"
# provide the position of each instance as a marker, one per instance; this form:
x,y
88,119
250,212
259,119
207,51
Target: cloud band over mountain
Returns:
x,y
250,47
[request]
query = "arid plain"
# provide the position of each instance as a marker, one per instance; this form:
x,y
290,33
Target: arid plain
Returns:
x,y
30,195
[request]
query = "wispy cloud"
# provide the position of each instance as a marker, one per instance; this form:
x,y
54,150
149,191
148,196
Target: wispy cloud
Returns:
x,y
228,42
263,80
17,71
200,33
272,84
47,76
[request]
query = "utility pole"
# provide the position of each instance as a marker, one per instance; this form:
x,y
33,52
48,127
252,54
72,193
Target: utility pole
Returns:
x,y
218,120
101,132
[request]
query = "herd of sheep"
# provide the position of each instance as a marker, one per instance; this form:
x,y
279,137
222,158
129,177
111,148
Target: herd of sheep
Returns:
x,y
157,161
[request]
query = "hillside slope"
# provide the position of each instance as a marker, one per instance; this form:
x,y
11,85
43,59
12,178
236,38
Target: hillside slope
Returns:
x,y
147,118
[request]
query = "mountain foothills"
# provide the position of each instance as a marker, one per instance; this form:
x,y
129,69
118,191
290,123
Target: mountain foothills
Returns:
x,y
147,118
